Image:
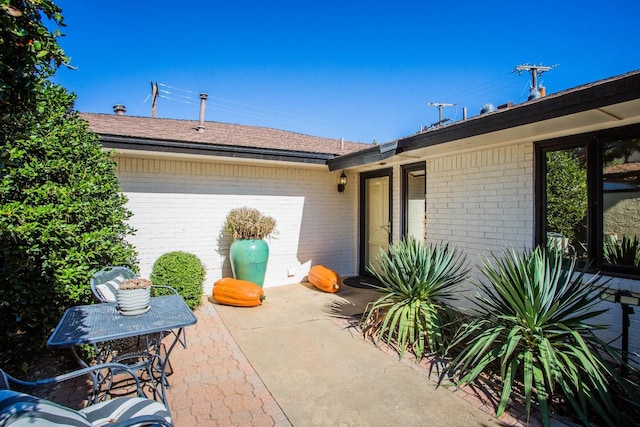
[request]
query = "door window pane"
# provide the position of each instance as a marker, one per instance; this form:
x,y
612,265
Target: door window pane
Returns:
x,y
415,203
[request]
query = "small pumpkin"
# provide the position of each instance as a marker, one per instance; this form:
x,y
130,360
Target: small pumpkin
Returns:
x,y
324,279
239,293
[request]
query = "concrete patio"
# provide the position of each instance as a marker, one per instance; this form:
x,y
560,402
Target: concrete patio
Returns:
x,y
295,361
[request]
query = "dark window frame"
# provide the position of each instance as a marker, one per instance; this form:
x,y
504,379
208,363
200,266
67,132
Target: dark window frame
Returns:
x,y
406,169
593,143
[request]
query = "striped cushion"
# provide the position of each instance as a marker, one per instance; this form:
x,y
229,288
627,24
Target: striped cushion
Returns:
x,y
19,409
121,409
108,290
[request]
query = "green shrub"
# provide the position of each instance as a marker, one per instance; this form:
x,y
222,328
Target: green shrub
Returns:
x,y
182,271
418,282
532,321
62,217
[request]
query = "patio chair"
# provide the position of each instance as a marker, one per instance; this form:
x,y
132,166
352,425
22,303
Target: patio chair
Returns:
x,y
104,285
17,408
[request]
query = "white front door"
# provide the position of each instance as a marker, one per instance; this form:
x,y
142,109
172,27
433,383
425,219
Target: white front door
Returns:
x,y
376,222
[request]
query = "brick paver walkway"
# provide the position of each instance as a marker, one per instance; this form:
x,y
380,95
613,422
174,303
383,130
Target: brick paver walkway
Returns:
x,y
213,384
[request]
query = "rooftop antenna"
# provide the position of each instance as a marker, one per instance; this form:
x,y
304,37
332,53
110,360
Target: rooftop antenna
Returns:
x,y
154,98
535,70
440,106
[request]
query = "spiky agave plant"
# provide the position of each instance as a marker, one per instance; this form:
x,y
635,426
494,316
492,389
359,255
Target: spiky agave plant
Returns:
x,y
625,252
418,283
532,318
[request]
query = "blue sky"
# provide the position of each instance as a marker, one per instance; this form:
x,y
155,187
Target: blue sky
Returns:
x,y
362,70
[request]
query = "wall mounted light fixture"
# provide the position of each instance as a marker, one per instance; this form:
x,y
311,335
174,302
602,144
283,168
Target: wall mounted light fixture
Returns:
x,y
342,182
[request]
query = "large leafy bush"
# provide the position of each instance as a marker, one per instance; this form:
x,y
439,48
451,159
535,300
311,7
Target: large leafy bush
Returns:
x,y
418,283
532,320
62,216
184,272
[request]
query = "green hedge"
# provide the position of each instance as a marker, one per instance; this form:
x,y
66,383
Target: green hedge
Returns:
x,y
182,271
62,217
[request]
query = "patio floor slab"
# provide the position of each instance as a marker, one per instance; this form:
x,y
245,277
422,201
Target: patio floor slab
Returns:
x,y
323,374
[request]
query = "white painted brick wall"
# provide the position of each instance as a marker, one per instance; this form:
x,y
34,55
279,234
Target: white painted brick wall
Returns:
x,y
478,201
182,205
482,201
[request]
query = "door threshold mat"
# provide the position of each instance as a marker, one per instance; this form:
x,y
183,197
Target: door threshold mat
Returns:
x,y
361,282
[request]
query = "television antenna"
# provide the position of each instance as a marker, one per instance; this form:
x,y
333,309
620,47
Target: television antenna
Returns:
x,y
440,106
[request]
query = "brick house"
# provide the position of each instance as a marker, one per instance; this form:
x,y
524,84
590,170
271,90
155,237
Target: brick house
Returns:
x,y
479,184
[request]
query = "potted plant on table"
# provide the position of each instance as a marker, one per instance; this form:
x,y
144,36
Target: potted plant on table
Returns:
x,y
133,296
249,252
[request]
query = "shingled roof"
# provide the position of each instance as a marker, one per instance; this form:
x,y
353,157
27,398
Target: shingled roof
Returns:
x,y
215,134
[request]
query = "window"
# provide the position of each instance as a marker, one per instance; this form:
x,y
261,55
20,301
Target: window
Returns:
x,y
588,198
413,200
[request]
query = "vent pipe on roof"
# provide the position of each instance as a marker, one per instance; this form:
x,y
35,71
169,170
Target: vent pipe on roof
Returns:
x,y
342,143
464,113
119,109
203,104
487,108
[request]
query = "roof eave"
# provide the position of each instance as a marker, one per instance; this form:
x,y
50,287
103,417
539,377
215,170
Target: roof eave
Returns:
x,y
609,92
119,142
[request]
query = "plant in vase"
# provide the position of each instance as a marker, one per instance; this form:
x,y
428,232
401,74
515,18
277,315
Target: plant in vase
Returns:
x,y
133,296
249,252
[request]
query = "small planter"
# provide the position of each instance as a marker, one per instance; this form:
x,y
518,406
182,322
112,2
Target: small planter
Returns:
x,y
133,297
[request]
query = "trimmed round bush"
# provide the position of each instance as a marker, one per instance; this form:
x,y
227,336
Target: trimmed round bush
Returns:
x,y
182,271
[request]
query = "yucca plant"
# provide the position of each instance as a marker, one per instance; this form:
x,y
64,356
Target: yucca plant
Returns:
x,y
625,252
418,283
532,320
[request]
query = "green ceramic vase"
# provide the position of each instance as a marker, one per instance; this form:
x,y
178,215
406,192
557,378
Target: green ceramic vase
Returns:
x,y
249,260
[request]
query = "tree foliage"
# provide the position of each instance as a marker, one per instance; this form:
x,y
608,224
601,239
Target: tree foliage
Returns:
x,y
62,216
29,53
566,193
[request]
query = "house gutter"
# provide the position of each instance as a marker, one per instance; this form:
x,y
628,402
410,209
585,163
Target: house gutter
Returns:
x,y
374,154
118,142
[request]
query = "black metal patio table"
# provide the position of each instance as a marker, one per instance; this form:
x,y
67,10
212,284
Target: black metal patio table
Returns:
x,y
101,324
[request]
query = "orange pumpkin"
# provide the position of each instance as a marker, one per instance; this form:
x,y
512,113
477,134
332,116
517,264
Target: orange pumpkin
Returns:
x,y
240,293
324,279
